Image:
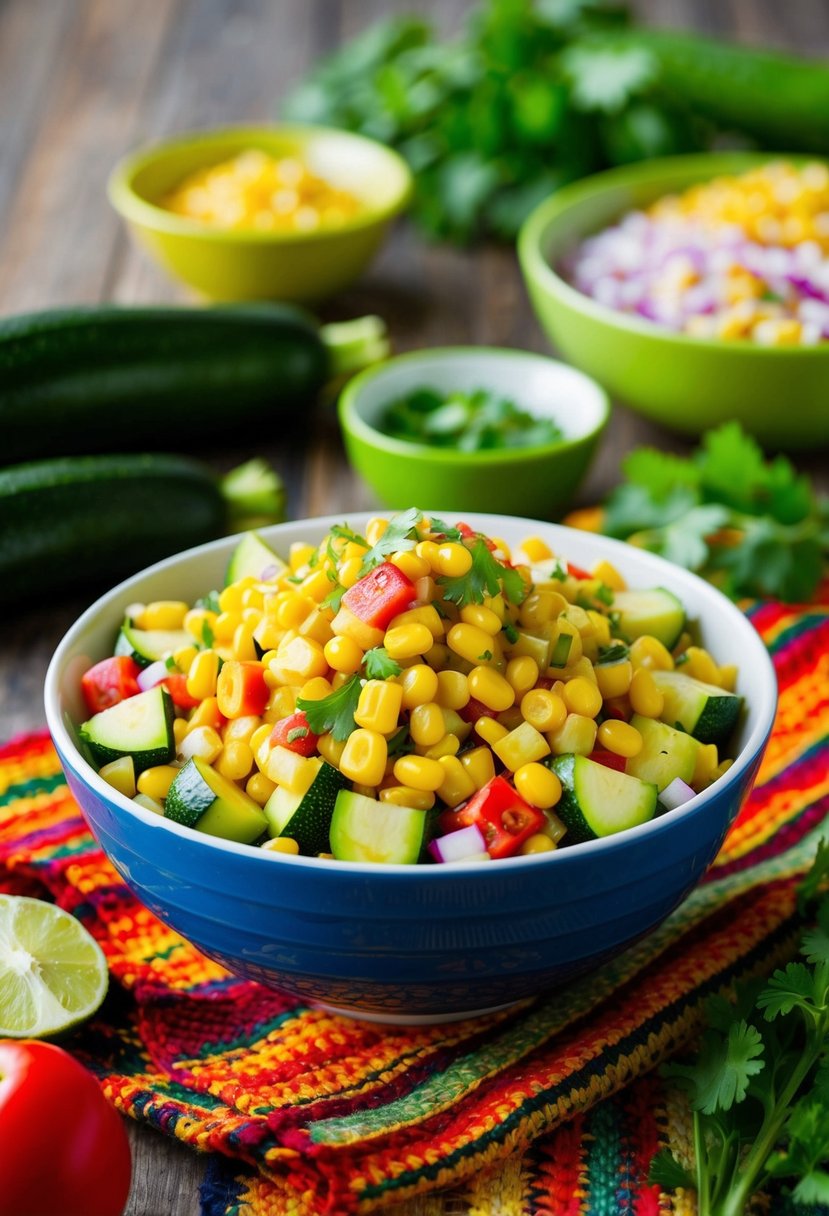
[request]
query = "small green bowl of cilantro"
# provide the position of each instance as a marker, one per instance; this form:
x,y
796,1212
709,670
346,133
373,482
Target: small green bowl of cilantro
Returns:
x,y
474,428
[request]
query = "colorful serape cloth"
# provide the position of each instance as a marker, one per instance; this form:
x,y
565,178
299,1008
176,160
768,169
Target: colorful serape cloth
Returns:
x,y
551,1109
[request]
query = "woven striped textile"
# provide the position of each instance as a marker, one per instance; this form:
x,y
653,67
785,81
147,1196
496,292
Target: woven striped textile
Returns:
x,y
552,1109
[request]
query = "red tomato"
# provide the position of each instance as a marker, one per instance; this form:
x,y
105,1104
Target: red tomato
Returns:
x,y
176,685
380,595
577,572
608,759
108,682
63,1148
294,733
503,816
474,709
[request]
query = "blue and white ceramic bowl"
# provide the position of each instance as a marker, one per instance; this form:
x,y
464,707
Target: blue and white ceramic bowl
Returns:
x,y
412,943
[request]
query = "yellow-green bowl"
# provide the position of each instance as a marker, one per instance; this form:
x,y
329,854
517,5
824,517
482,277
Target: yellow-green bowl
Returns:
x,y
778,394
302,267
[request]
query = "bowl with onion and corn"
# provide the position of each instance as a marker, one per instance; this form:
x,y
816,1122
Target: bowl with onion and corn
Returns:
x,y
695,289
364,925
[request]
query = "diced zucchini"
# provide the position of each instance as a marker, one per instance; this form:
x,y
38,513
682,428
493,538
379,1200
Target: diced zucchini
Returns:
x,y
201,798
656,612
306,818
703,710
599,801
250,558
666,753
145,646
363,829
140,726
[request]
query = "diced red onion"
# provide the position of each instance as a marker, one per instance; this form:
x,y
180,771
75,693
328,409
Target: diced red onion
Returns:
x,y
676,794
148,677
269,572
464,845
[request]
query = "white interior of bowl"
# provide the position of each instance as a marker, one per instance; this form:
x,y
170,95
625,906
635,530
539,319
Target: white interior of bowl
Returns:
x,y
719,624
541,386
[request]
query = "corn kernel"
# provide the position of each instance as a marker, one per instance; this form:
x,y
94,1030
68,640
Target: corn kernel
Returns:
x,y
364,757
645,698
490,731
457,784
405,795
427,551
538,843
479,765
649,652
155,782
259,788
482,618
449,745
419,684
699,664
536,549
471,643
452,560
423,614
378,708
286,845
490,688
452,690
521,746
410,564
543,709
203,674
408,641
613,679
537,785
198,622
315,689
620,738
346,624
419,772
180,729
375,528
427,724
541,607
317,626
582,697
331,749
338,679
522,674
120,774
163,614
705,766
348,572
226,625
240,730
299,555
343,654
236,760
281,703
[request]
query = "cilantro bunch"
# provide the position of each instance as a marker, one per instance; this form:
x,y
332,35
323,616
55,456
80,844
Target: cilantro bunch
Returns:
x,y
491,122
754,527
759,1087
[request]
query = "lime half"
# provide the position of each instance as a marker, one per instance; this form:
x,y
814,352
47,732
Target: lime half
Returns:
x,y
53,973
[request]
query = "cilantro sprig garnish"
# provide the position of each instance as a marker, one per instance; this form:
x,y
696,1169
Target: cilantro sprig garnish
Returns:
x,y
333,714
487,577
617,653
399,536
378,664
759,1086
755,527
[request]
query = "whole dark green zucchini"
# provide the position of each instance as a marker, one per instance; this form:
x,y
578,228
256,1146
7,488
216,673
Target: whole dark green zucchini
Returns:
x,y
85,522
99,378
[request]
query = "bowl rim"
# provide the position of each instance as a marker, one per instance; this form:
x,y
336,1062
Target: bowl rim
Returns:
x,y
136,209
537,226
353,422
70,753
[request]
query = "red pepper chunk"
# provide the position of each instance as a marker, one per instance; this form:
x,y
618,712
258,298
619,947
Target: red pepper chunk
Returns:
x,y
294,733
380,595
608,759
176,685
503,816
577,572
474,709
110,681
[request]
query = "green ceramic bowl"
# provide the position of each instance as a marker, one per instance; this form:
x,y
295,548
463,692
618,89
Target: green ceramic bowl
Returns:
x,y
779,394
299,267
536,481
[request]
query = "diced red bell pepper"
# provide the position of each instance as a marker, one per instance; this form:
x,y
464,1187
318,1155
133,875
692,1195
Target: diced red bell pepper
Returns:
x,y
473,710
608,759
110,681
503,816
577,572
380,595
545,682
294,733
176,685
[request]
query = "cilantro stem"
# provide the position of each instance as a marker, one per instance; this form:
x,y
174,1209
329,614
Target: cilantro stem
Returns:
x,y
751,1170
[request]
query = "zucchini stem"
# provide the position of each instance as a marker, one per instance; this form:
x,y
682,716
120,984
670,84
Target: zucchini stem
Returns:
x,y
353,345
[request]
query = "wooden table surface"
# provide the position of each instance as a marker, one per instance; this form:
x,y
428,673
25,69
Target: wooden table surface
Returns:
x,y
82,82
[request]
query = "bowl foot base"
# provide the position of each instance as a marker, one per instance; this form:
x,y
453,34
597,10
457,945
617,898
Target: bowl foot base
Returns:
x,y
411,1019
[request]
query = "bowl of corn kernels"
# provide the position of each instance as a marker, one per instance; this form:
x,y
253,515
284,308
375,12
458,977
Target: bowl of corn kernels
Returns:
x,y
695,290
262,213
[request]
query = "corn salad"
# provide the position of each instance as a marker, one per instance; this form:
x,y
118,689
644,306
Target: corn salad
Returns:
x,y
744,257
431,669
262,193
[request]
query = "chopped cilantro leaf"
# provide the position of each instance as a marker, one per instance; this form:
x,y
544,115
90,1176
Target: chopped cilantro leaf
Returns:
x,y
334,598
559,572
485,657
613,654
379,666
510,632
209,601
208,637
170,663
604,594
345,533
334,713
401,743
440,526
397,537
486,577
